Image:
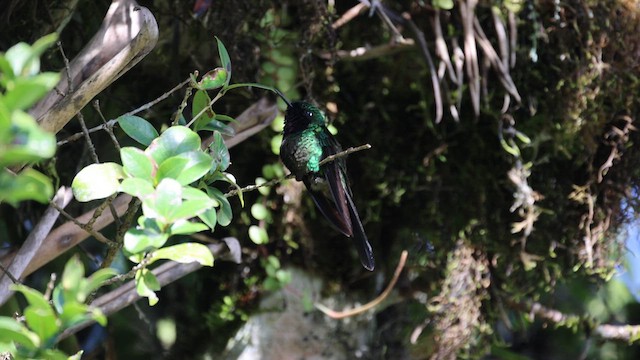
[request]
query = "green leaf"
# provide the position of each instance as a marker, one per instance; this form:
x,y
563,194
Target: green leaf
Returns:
x,y
28,185
42,321
225,214
146,285
141,240
259,211
258,235
74,313
13,331
136,187
175,140
215,125
97,181
98,316
72,277
190,193
209,217
136,163
219,152
184,227
187,167
34,298
191,208
171,168
224,59
18,56
214,79
201,101
138,129
185,253
168,198
27,143
95,281
27,91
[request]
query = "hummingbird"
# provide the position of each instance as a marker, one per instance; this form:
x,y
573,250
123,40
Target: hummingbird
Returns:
x,y
306,141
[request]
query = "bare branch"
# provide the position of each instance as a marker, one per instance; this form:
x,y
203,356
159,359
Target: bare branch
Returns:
x,y
370,305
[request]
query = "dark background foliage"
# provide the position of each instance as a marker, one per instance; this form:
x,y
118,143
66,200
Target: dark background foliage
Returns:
x,y
440,190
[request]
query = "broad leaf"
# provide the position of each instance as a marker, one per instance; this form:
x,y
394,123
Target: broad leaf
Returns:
x,y
42,321
209,217
97,181
225,214
219,152
214,79
146,285
138,129
136,163
175,140
185,227
13,331
225,60
185,253
140,240
137,187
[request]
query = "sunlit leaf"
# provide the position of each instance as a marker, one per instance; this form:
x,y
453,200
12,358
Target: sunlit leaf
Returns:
x,y
97,181
175,140
185,253
13,331
137,187
136,163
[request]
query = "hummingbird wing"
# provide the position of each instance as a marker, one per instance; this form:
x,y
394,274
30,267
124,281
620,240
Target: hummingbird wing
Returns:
x,y
324,195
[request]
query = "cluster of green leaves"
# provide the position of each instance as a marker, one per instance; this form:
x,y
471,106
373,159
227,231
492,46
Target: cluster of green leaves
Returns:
x,y
21,140
35,335
174,179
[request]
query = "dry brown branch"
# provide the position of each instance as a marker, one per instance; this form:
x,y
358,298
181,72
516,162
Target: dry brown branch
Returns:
x,y
329,158
624,333
467,13
373,303
349,15
32,244
127,34
370,52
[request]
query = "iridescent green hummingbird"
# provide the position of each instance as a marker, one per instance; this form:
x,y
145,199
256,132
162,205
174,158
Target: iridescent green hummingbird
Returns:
x,y
306,141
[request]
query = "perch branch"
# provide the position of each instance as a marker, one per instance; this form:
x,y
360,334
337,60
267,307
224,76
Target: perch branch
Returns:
x,y
329,158
370,305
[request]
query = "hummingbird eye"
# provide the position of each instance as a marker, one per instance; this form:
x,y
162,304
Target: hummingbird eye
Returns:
x,y
309,114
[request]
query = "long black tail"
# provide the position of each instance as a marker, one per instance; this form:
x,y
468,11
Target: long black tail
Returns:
x,y
360,238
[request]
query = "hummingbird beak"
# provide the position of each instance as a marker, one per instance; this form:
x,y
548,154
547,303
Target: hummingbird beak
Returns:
x,y
279,93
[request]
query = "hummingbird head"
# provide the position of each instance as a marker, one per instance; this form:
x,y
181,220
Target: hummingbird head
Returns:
x,y
300,115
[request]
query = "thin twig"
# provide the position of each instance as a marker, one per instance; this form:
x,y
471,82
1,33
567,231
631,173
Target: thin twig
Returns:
x,y
85,131
183,104
349,15
9,274
84,227
113,122
108,129
370,305
329,158
67,68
